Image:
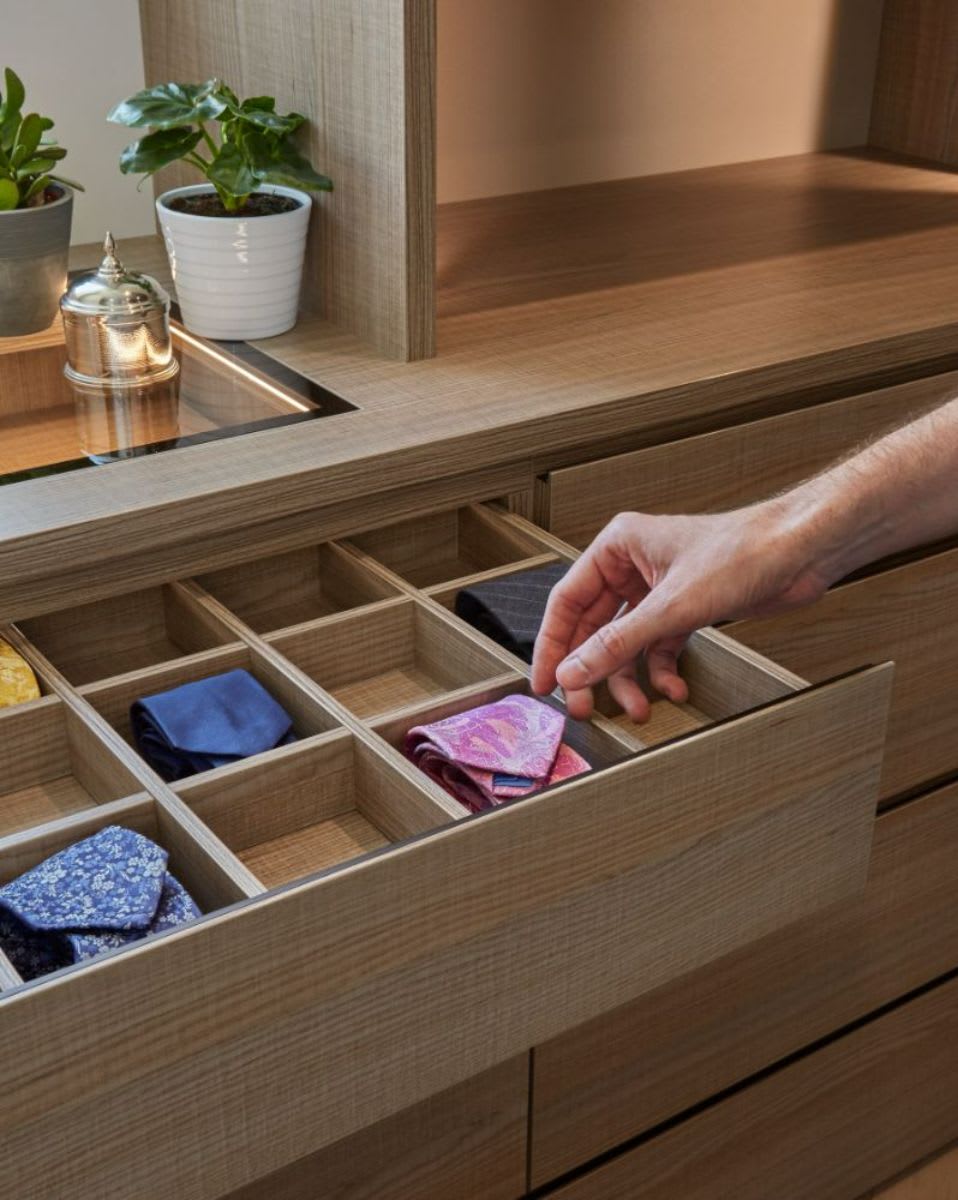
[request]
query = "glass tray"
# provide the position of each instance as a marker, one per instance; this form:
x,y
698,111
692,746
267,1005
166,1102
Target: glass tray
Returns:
x,y
223,389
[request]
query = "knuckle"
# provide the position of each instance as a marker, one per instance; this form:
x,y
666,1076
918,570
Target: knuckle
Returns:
x,y
611,640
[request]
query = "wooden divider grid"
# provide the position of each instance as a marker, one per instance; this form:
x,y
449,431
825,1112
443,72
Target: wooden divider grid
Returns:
x,y
357,641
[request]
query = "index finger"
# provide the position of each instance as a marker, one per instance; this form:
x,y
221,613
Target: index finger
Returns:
x,y
575,592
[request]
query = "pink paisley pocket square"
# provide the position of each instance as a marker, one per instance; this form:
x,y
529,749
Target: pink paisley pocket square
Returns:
x,y
493,753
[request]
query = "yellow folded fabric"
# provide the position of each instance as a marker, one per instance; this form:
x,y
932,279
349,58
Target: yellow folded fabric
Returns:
x,y
18,684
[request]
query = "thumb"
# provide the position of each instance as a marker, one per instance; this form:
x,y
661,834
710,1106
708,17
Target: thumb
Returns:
x,y
619,642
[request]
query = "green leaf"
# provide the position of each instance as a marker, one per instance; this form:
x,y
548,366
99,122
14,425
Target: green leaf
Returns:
x,y
272,122
9,195
36,187
231,174
289,167
158,149
28,138
259,103
15,94
170,105
50,153
33,166
227,94
71,183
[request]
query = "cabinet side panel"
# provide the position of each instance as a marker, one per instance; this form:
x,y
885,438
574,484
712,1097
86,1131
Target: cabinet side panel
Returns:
x,y
363,76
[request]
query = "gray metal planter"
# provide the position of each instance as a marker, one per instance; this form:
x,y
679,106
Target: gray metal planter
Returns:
x,y
34,248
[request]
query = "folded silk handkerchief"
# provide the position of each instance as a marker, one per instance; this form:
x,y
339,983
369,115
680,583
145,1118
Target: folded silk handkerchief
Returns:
x,y
510,609
18,684
106,891
493,753
208,724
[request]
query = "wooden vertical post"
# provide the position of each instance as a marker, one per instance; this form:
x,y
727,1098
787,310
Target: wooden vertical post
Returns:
x,y
915,104
364,75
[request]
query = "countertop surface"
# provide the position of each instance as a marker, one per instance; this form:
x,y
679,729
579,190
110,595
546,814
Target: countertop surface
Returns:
x,y
640,309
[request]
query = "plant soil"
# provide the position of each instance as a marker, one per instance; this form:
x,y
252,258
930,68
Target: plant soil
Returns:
x,y
47,196
208,204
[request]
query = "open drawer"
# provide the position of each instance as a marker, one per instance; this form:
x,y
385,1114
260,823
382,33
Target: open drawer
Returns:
x,y
365,942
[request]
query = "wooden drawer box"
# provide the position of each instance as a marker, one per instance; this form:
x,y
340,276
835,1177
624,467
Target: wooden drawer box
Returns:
x,y
365,943
730,467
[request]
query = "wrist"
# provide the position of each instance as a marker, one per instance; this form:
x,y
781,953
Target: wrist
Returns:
x,y
829,526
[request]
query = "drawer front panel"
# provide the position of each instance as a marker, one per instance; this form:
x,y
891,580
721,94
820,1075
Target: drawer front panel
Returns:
x,y
908,615
297,1020
469,1141
735,466
627,1071
830,1126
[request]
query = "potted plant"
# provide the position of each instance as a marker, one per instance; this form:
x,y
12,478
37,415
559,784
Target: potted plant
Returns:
x,y
236,243
36,211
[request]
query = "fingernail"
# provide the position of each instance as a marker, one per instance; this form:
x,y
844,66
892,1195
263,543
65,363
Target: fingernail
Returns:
x,y
572,672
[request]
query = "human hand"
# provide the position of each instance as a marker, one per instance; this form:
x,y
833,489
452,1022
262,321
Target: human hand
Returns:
x,y
647,582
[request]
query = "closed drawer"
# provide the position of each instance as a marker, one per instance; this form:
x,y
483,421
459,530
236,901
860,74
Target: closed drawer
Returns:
x,y
731,467
469,1141
628,1071
909,615
830,1126
365,942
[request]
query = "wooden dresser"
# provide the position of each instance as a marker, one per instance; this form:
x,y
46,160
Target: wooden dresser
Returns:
x,y
721,964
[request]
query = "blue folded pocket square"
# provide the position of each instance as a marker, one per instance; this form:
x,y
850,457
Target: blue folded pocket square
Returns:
x,y
106,891
208,724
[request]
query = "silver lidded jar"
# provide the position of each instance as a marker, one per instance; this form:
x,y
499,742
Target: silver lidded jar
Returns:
x,y
117,327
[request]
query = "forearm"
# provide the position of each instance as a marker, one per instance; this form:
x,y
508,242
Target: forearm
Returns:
x,y
899,492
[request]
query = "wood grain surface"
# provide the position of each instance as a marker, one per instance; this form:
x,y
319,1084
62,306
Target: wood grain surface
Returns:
x,y
826,1127
365,78
469,1141
731,467
359,1002
826,272
908,615
913,107
627,1071
934,1180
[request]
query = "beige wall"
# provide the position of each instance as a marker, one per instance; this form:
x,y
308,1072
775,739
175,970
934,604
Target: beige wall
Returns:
x,y
77,58
540,93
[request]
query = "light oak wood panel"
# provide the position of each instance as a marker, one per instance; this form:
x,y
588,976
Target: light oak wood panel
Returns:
x,y
908,615
826,1127
51,765
728,468
9,978
445,546
309,806
628,1071
913,106
833,273
365,78
469,1141
301,585
359,1003
126,633
391,656
186,550
196,842
936,1180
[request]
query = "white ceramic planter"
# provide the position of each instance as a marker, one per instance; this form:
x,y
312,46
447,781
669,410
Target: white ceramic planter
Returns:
x,y
236,277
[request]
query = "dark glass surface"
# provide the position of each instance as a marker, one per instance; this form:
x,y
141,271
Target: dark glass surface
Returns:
x,y
223,389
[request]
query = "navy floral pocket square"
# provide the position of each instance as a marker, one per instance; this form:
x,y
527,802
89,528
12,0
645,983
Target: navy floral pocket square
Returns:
x,y
106,891
208,724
